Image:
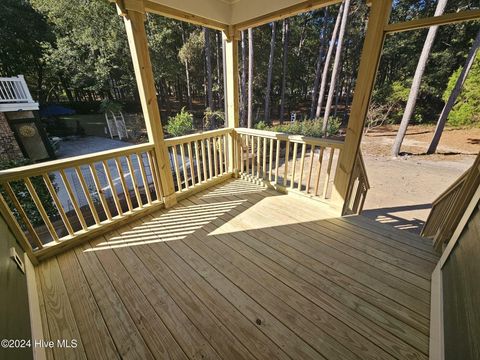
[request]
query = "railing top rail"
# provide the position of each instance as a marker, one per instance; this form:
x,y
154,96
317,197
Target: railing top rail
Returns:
x,y
55,165
458,183
197,136
292,138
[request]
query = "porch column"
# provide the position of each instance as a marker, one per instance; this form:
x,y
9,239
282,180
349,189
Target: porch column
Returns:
x,y
230,46
370,59
133,13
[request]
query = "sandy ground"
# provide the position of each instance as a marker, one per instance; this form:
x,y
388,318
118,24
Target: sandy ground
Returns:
x,y
403,189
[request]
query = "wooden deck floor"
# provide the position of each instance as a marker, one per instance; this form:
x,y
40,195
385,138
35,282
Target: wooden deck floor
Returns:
x,y
240,272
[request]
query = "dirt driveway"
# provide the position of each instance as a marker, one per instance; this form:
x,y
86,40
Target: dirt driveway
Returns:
x,y
403,189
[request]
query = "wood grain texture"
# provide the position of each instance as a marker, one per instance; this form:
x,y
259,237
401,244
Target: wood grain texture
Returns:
x,y
240,271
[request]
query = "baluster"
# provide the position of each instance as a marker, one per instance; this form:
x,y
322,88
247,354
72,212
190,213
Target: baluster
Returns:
x,y
215,156
41,209
253,156
287,155
310,167
177,169
88,196
22,214
73,200
258,156
155,175
302,166
270,161
197,157
184,165
191,162
242,165
209,148
204,160
329,169
100,193
220,154
294,164
225,152
112,187
143,173
319,170
247,156
58,204
131,170
126,191
277,161
264,167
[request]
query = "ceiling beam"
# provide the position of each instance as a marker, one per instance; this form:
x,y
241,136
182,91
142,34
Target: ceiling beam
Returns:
x,y
296,9
170,12
446,19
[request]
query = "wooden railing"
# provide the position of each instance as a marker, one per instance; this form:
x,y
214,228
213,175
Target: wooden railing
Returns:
x,y
289,162
449,207
51,204
198,159
358,189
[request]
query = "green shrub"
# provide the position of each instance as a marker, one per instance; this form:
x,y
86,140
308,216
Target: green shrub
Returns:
x,y
180,124
213,119
23,196
108,105
311,128
467,108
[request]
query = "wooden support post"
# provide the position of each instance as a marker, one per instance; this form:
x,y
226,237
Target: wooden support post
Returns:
x,y
370,59
230,46
133,13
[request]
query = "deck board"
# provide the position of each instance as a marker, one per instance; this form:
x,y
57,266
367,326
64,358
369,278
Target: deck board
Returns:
x,y
242,272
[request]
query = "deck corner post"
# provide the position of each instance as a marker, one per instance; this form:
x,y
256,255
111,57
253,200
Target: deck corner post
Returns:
x,y
133,13
230,48
369,61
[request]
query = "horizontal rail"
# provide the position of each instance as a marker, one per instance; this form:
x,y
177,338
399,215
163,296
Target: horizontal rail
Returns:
x,y
338,144
54,165
197,136
445,19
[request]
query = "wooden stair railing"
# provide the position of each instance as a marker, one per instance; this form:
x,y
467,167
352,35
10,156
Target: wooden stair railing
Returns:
x,y
448,208
359,186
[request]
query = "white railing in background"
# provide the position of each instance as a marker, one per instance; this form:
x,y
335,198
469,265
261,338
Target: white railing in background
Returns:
x,y
14,90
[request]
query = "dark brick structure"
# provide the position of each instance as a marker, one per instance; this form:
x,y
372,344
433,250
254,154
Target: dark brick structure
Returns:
x,y
9,149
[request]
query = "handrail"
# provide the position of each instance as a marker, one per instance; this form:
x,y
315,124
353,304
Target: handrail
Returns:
x,y
197,136
448,208
338,144
55,165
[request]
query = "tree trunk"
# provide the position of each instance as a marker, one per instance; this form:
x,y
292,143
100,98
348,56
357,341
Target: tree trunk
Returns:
x,y
187,74
417,79
453,96
243,82
250,76
208,62
286,34
219,69
327,62
336,67
269,74
318,69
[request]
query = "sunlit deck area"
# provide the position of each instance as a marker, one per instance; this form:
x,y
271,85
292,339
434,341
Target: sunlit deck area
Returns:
x,y
241,272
